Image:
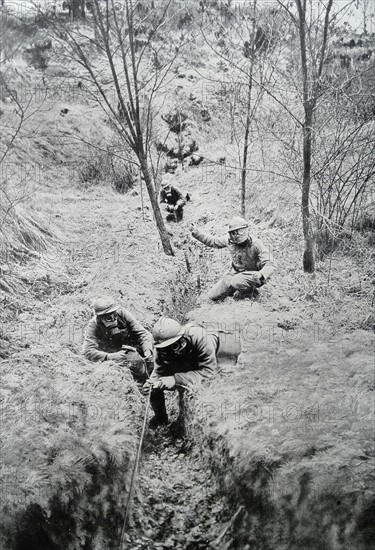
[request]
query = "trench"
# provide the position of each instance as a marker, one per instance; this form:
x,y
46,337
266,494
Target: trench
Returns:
x,y
179,503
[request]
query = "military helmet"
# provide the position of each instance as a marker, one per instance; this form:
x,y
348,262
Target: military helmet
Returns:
x,y
237,223
167,180
104,305
166,332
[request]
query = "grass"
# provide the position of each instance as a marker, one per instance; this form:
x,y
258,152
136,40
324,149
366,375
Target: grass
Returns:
x,y
301,474
289,434
25,239
67,439
102,166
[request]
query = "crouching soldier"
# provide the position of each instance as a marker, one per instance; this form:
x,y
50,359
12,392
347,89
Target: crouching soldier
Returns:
x,y
252,261
184,357
113,334
173,199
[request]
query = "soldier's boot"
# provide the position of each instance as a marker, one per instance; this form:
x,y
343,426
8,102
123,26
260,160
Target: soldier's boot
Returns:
x,y
157,402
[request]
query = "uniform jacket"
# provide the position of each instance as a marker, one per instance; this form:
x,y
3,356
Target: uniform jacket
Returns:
x,y
250,256
197,363
173,196
98,343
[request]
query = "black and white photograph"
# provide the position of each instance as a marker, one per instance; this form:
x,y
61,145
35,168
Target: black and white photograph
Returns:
x,y
187,274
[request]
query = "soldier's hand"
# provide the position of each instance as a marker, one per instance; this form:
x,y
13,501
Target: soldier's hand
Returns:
x,y
148,355
192,227
165,383
256,278
118,356
175,208
146,387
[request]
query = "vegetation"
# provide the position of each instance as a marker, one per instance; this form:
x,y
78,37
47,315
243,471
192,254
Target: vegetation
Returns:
x,y
276,106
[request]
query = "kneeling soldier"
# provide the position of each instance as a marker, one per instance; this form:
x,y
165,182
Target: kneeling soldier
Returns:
x,y
113,334
252,262
173,199
185,356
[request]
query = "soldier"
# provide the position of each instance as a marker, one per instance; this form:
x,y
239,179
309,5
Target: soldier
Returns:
x,y
173,199
184,357
252,262
113,334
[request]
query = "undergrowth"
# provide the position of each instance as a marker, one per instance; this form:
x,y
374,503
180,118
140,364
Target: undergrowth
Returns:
x,y
102,167
25,238
67,441
281,454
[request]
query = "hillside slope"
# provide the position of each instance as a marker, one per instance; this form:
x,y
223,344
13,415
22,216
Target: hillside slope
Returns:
x,y
285,435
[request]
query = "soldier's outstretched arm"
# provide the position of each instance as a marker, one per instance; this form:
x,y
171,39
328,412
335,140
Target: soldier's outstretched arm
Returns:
x,y
207,239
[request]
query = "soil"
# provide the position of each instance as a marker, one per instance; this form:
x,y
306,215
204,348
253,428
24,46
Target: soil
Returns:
x,y
181,506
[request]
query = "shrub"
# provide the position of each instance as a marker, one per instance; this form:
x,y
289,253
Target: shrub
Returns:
x,y
123,175
106,167
38,58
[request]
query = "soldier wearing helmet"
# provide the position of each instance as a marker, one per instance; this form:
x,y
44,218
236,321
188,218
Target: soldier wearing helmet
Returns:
x,y
173,199
113,334
184,357
252,262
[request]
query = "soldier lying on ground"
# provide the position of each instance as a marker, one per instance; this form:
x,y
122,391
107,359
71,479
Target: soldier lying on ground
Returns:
x,y
173,199
252,261
109,331
184,357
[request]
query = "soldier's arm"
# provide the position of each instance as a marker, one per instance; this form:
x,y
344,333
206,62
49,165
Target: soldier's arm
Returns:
x,y
162,197
159,369
210,240
139,334
181,201
265,259
91,344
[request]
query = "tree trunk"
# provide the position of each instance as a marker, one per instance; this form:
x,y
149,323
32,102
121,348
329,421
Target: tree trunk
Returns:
x,y
167,247
308,255
246,148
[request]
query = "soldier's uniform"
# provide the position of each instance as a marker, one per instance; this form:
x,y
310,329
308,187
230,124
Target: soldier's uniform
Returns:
x,y
173,197
248,257
102,344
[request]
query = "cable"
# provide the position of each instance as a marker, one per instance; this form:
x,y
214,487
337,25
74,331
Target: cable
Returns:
x,y
135,468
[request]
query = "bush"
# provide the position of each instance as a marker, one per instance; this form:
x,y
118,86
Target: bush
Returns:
x,y
105,167
38,58
123,176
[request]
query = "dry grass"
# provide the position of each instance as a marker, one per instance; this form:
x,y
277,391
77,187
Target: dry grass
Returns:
x,y
289,434
66,444
67,456
25,240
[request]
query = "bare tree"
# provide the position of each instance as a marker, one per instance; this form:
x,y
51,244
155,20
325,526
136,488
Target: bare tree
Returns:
x,y
138,58
245,45
312,22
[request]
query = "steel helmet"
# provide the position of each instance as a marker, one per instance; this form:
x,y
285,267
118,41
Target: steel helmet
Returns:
x,y
237,223
166,331
167,180
104,305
